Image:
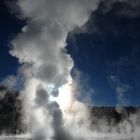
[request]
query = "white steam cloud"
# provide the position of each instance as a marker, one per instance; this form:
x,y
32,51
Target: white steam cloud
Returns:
x,y
51,109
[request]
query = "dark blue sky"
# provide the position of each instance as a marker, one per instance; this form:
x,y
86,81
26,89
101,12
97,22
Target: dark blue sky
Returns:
x,y
107,54
9,27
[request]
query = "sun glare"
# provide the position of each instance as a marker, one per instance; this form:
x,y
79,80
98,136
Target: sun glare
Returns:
x,y
65,97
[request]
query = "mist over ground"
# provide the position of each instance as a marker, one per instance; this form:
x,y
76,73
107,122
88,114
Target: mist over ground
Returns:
x,y
104,120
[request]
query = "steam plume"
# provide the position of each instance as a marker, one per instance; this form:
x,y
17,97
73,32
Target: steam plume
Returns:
x,y
46,66
52,111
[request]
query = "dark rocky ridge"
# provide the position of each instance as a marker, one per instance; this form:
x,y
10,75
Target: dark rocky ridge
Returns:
x,y
11,113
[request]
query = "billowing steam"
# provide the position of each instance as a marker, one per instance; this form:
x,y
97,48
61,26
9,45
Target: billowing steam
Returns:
x,y
51,109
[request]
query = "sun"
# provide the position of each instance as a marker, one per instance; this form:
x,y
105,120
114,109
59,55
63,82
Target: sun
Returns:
x,y
65,97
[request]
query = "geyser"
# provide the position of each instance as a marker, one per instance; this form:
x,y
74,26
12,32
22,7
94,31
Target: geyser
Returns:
x,y
50,105
51,109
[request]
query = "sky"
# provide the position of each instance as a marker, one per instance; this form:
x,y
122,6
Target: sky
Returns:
x,y
9,27
105,51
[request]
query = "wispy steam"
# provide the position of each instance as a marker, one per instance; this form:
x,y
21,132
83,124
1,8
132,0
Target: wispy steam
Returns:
x,y
120,88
